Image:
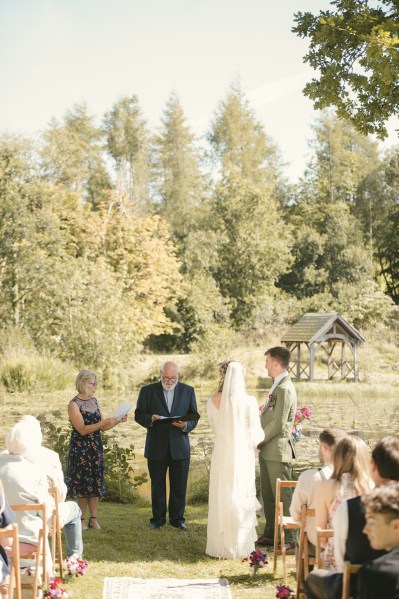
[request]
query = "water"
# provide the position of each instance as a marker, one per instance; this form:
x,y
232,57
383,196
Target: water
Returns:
x,y
370,418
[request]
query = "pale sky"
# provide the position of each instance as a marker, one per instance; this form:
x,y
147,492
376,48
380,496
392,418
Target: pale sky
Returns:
x,y
54,53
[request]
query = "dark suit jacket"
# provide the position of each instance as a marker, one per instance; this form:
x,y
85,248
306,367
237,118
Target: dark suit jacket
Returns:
x,y
161,437
379,579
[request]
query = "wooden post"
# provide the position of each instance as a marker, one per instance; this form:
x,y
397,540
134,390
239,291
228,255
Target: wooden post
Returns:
x,y
343,366
298,361
330,349
356,363
311,362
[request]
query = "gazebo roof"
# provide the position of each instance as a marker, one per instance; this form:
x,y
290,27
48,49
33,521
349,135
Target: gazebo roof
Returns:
x,y
313,326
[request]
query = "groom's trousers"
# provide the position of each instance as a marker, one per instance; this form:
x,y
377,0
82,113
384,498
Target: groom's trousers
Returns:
x,y
269,473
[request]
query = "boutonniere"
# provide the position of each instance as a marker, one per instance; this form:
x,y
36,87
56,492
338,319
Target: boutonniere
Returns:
x,y
272,401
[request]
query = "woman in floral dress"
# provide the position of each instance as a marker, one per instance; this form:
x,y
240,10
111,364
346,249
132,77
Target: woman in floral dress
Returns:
x,y
85,471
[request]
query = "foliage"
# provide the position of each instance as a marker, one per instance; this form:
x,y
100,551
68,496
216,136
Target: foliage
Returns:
x,y
120,481
72,156
355,50
28,371
244,270
55,437
128,144
114,239
178,181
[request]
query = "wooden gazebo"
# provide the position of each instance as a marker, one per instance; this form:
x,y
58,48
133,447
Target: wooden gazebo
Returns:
x,y
316,331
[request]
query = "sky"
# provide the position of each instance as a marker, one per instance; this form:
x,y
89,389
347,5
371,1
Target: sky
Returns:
x,y
54,53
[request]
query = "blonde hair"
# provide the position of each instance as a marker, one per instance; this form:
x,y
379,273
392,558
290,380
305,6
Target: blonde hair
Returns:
x,y
352,456
83,378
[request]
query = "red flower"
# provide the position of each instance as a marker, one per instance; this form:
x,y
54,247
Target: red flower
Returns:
x,y
284,592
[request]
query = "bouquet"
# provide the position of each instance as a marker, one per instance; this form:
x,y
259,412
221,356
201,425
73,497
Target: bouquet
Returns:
x,y
55,589
76,566
284,592
303,413
257,559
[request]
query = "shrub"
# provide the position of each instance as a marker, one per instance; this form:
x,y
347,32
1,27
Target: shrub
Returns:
x,y
17,376
120,482
24,372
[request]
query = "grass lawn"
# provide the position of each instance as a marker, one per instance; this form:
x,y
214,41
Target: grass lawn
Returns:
x,y
126,546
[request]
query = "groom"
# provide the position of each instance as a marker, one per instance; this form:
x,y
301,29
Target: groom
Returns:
x,y
167,445
277,452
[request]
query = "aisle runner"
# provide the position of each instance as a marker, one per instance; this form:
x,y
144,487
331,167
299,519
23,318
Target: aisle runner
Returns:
x,y
166,588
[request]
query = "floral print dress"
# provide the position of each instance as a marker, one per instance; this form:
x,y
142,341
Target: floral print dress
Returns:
x,y
85,471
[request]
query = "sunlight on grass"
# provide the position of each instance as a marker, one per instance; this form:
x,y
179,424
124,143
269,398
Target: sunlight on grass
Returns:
x,y
126,546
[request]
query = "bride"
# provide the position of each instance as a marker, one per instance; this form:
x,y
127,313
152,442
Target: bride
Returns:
x,y
234,418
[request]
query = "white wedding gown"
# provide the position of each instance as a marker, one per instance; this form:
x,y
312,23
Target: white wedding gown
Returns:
x,y
232,509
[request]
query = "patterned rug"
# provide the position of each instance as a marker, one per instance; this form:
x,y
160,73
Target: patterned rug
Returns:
x,y
166,588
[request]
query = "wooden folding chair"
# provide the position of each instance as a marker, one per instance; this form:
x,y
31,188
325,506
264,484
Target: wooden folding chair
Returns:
x,y
321,533
303,553
281,523
349,569
55,533
13,554
38,550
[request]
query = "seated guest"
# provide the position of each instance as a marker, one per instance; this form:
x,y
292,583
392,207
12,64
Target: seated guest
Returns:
x,y
6,518
49,463
350,477
351,544
380,578
24,482
304,490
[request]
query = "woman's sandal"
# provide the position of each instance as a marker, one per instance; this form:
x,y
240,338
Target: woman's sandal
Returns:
x,y
84,525
90,524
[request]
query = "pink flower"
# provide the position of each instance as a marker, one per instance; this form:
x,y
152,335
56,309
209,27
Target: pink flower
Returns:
x,y
284,592
76,566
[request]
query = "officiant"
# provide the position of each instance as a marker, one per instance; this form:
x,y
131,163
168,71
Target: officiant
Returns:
x,y
168,410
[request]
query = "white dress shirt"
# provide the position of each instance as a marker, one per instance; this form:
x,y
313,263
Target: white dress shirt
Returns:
x,y
304,494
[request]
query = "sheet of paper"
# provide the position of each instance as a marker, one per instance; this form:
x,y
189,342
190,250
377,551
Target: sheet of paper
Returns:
x,y
121,410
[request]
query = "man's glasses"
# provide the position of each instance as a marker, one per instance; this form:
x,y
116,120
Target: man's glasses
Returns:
x,y
170,379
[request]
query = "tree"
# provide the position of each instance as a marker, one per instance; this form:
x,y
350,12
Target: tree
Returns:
x,y
239,144
72,156
329,242
342,159
246,210
128,145
253,245
179,184
355,49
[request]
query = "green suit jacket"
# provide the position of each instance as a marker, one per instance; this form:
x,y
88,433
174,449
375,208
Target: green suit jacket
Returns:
x,y
277,422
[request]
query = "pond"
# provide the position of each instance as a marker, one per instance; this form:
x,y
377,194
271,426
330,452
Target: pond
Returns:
x,y
365,414
370,410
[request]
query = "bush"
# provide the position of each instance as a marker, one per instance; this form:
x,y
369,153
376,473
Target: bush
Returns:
x,y
24,372
120,483
199,490
17,376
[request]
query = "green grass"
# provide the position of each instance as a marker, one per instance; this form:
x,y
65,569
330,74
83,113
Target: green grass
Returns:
x,y
126,546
